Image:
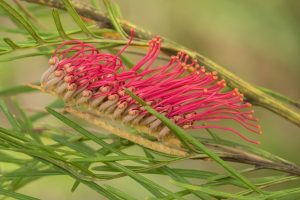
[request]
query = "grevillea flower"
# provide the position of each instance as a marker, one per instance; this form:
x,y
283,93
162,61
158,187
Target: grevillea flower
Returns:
x,y
181,90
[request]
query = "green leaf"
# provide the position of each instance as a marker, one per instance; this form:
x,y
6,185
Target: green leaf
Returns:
x,y
27,55
119,193
16,195
110,159
284,193
19,89
71,10
144,180
17,16
168,171
100,190
58,25
112,14
55,104
11,43
82,131
188,173
212,192
11,159
12,120
96,4
280,97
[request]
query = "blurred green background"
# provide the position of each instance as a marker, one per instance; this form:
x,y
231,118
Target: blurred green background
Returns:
x,y
257,40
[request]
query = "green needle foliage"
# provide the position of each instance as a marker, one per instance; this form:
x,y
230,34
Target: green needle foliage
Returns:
x,y
71,147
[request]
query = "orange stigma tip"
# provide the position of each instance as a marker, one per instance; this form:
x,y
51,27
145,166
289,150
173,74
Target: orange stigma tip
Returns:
x,y
122,105
214,72
68,78
71,86
53,60
258,126
104,89
133,112
58,73
186,126
215,77
205,90
82,81
248,104
236,91
67,65
86,93
112,97
257,142
121,92
69,69
142,109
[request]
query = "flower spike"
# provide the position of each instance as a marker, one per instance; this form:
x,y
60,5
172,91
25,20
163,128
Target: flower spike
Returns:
x,y
181,90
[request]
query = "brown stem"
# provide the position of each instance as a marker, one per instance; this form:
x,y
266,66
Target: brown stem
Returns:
x,y
252,94
242,156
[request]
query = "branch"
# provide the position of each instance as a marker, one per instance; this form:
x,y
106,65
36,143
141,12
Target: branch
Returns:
x,y
253,94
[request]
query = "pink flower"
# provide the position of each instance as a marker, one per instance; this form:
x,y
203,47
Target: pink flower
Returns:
x,y
181,89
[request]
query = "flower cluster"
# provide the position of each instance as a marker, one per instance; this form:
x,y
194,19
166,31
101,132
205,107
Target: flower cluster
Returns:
x,y
181,89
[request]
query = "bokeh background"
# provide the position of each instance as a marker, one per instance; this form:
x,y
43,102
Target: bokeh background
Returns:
x,y
257,40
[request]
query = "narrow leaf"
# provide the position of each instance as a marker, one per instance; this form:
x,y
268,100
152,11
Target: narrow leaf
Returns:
x,y
16,90
112,14
12,120
71,10
16,195
119,193
58,25
212,192
11,43
17,16
280,97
